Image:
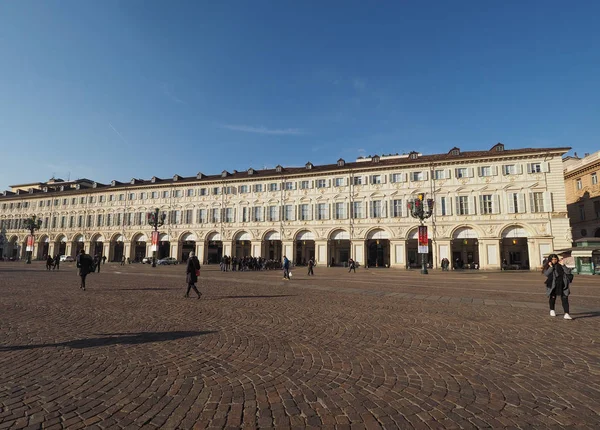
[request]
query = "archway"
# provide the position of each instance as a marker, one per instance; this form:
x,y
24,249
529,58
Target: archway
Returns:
x,y
465,248
339,248
214,248
378,248
97,245
76,245
117,245
43,247
272,246
413,258
243,244
597,233
188,244
138,245
60,245
164,246
514,249
305,247
13,248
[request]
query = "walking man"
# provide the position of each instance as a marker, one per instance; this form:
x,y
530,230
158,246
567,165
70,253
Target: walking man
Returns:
x,y
84,264
97,262
286,268
192,271
56,263
352,265
311,264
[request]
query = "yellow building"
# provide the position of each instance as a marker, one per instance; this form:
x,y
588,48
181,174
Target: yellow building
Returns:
x,y
491,207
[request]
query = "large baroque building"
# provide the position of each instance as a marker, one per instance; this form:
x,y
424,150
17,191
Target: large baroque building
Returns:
x,y
582,184
491,206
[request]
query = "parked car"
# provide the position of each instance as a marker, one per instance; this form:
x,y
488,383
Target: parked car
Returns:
x,y
66,258
167,261
147,260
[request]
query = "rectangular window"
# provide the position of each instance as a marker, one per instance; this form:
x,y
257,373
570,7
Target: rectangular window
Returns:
x,y
129,218
90,221
376,179
289,186
536,203
154,194
594,179
245,214
439,174
65,202
340,210
486,204
579,184
417,176
243,189
397,208
189,192
272,213
582,212
41,205
534,168
118,219
288,213
357,210
461,172
340,182
143,196
443,208
177,193
597,208
121,197
397,177
304,212
509,169
102,199
273,186
462,205
200,216
202,191
258,188
304,185
63,221
229,190
71,221
321,183
73,201
109,220
516,203
111,197
100,220
376,209
485,171
189,216
322,211
357,180
229,215
214,215
257,213
165,194
131,196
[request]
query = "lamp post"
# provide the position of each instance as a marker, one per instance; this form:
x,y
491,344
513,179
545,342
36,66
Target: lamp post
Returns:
x,y
417,209
155,219
32,224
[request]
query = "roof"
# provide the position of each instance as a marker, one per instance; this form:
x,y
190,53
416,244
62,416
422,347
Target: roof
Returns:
x,y
326,168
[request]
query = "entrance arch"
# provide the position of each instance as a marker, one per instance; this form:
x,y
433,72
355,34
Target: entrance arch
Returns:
x,y
43,247
597,233
413,258
60,245
378,248
97,245
465,248
138,244
339,247
272,245
514,248
164,246
188,244
214,248
117,246
243,244
76,245
13,248
305,247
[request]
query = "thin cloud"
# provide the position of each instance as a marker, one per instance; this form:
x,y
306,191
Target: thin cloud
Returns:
x,y
167,92
264,130
119,134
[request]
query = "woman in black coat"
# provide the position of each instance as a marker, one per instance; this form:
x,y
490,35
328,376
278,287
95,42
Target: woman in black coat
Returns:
x,y
192,271
557,284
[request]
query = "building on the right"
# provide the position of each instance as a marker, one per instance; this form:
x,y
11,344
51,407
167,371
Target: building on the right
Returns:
x,y
582,189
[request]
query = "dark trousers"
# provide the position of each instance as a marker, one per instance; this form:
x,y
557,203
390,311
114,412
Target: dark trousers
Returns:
x,y
310,270
192,287
286,273
98,267
351,269
565,302
83,281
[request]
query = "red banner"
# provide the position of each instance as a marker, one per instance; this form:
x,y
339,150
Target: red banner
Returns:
x,y
155,238
423,241
30,242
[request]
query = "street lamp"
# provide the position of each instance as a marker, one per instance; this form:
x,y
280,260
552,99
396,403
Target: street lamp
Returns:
x,y
417,209
155,219
32,224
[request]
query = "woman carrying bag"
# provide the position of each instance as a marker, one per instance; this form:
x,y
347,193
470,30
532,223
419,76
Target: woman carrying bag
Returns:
x,y
192,272
558,280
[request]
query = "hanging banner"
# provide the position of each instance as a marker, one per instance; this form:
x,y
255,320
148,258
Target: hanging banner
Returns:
x,y
155,241
423,241
30,242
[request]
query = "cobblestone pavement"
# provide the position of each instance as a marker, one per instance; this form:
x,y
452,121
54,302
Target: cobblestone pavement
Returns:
x,y
375,349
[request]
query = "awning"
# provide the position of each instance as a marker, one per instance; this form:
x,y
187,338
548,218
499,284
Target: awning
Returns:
x,y
378,234
164,237
465,233
189,237
214,236
273,235
305,235
243,235
340,235
581,253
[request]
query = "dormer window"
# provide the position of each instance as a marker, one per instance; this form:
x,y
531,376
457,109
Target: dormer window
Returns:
x,y
153,180
375,159
31,191
279,169
498,147
46,188
176,178
132,181
62,187
224,173
94,185
455,151
251,171
78,186
341,162
413,155
113,183
18,192
309,165
199,175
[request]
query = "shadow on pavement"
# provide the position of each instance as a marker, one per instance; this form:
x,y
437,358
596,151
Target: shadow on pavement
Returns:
x,y
254,297
116,339
586,315
141,289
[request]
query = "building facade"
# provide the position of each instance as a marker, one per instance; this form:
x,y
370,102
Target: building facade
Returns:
x,y
582,185
492,208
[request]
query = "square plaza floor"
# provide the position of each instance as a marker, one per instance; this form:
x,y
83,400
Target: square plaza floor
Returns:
x,y
376,349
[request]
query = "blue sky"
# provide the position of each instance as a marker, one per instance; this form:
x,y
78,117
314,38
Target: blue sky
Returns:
x,y
120,89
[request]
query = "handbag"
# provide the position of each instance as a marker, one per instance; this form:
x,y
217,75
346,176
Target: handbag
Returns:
x,y
198,272
570,277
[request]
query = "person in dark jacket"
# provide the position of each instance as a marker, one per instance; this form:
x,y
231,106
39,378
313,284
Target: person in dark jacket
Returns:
x,y
85,264
192,271
49,262
97,261
56,263
352,265
557,284
286,268
311,264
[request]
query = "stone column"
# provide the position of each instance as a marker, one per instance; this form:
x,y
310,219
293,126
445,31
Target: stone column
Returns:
x,y
106,251
69,248
288,249
174,250
200,250
321,252
533,253
88,248
398,253
127,250
489,254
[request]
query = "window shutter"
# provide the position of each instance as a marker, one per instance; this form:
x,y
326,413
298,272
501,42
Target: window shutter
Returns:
x,y
471,172
481,204
404,177
456,199
448,174
328,183
425,175
438,206
521,203
547,201
529,167
511,202
473,210
545,167
496,204
504,170
366,180
311,184
479,171
531,201
495,170
520,169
